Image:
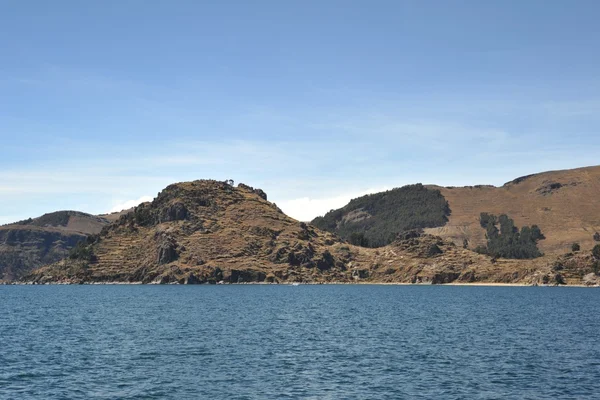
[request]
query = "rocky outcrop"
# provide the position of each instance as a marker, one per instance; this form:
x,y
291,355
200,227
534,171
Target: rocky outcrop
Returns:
x,y
591,279
167,250
173,212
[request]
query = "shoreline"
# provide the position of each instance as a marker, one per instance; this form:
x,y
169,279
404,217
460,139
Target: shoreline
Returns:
x,y
480,284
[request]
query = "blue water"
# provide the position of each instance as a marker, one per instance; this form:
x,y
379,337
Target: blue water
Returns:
x,y
284,342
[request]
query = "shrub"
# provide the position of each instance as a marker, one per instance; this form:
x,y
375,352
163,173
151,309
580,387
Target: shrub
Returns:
x,y
359,239
596,252
575,247
82,251
597,237
480,249
506,240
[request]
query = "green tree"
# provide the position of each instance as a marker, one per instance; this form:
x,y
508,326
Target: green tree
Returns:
x,y
596,252
575,247
597,237
380,217
505,240
359,239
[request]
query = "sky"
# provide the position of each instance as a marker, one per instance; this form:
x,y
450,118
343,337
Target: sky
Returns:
x,y
103,104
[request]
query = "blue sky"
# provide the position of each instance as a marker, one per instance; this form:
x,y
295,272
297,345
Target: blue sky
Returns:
x,y
105,103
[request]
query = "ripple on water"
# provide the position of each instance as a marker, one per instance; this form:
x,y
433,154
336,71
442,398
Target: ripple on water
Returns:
x,y
281,342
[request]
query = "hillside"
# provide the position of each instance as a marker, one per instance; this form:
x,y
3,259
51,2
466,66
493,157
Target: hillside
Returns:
x,y
29,244
564,204
374,220
211,231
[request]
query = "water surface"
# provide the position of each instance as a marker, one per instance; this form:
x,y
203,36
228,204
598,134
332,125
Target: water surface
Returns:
x,y
313,342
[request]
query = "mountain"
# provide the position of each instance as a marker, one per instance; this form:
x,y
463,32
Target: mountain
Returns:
x,y
210,231
29,244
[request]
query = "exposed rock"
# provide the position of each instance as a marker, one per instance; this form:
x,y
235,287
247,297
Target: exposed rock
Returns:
x,y
360,273
591,279
444,277
433,250
173,212
326,261
261,193
167,250
192,279
241,276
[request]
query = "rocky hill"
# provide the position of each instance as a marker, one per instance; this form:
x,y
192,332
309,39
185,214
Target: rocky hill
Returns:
x,y
29,244
210,231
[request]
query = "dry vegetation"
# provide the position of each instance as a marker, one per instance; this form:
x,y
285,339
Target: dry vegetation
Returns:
x,y
564,204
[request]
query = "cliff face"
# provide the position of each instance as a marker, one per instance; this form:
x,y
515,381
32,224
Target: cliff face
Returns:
x,y
210,231
29,244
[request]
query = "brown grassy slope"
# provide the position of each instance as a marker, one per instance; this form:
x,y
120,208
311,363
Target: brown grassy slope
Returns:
x,y
208,231
566,214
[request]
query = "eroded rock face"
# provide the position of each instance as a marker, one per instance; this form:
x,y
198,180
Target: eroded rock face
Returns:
x,y
326,261
174,212
444,277
248,188
167,250
261,193
245,276
360,274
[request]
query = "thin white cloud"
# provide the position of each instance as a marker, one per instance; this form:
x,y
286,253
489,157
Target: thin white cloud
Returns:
x,y
306,208
125,205
7,219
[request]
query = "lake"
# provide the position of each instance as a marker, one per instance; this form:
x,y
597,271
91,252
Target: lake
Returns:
x,y
299,342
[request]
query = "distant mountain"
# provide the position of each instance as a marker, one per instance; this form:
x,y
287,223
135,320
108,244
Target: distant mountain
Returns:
x,y
29,244
209,231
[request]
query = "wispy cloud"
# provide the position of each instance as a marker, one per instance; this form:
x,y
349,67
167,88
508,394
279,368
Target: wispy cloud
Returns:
x,y
125,205
307,208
